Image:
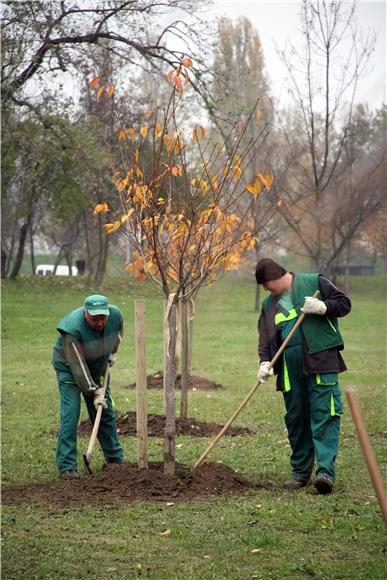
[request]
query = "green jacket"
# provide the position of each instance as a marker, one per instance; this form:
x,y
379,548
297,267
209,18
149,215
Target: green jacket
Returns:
x,y
81,354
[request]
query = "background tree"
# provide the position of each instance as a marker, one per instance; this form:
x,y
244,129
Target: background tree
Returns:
x,y
239,80
324,78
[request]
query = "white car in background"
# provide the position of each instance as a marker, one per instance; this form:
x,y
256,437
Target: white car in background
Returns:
x,y
48,270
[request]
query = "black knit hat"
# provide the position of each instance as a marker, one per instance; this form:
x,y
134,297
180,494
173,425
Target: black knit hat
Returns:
x,y
267,270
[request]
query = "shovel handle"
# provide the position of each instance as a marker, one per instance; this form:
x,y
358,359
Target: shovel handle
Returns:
x,y
97,418
251,393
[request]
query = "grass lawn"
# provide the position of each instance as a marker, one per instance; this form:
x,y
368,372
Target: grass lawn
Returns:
x,y
265,534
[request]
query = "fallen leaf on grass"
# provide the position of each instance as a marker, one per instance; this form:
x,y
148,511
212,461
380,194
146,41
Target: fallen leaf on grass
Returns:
x,y
170,503
164,533
258,505
255,550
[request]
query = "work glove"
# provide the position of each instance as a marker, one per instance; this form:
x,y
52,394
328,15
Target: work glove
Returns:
x,y
99,399
264,372
313,306
112,359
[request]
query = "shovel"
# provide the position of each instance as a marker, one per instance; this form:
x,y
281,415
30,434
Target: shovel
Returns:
x,y
89,452
251,393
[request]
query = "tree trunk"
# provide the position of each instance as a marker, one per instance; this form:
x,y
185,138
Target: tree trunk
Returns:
x,y
102,258
11,250
184,360
20,251
32,251
257,305
169,389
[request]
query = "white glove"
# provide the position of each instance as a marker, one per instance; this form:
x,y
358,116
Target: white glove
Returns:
x,y
112,359
99,399
264,372
313,306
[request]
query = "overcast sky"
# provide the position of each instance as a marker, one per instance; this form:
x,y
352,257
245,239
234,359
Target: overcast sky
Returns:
x,y
277,22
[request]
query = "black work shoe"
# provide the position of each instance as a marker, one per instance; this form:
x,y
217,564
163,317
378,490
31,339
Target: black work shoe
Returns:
x,y
295,483
70,474
323,484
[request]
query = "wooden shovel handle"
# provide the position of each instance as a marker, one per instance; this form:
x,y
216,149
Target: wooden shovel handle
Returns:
x,y
251,393
97,417
369,456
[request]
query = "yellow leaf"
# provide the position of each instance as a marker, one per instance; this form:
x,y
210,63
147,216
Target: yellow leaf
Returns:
x,y
255,550
144,131
258,115
158,131
95,82
123,134
100,91
110,228
132,134
266,179
132,210
101,207
137,154
110,90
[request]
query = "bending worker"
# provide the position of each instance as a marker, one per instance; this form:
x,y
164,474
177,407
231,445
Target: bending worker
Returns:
x,y
307,371
88,340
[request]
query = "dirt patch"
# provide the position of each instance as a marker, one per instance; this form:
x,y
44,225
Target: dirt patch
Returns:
x,y
155,381
126,425
126,483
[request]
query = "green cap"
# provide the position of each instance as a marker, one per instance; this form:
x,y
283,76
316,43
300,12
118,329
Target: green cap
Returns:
x,y
97,304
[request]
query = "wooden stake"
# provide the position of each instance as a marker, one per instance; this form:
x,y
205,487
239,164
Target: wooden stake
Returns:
x,y
369,457
141,386
184,361
169,386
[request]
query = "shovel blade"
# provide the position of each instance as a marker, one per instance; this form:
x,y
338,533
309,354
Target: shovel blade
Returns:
x,y
86,461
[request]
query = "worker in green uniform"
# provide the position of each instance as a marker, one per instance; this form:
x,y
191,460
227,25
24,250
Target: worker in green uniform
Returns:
x,y
88,340
307,371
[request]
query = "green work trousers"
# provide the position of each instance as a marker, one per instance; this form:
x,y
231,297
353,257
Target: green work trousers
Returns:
x,y
313,409
70,407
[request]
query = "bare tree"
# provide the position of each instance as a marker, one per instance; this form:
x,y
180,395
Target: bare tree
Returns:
x,y
324,79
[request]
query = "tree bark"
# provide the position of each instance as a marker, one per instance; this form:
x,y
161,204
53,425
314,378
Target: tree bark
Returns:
x,y
20,252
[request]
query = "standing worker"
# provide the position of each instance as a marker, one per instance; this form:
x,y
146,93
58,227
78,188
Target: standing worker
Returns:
x,y
88,340
307,371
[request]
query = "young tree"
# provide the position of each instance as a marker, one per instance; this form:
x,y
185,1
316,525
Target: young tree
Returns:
x,y
179,212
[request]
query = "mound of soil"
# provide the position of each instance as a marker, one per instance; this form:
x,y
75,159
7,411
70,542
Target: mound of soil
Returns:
x,y
126,425
126,483
155,381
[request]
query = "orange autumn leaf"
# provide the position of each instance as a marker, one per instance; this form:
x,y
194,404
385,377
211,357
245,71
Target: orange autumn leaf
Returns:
x,y
186,61
100,91
101,207
144,131
110,90
95,82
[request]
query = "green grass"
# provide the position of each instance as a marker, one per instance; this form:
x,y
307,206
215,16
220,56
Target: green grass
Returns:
x,y
297,535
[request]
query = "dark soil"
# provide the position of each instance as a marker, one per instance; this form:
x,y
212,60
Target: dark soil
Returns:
x,y
126,483
155,381
126,425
